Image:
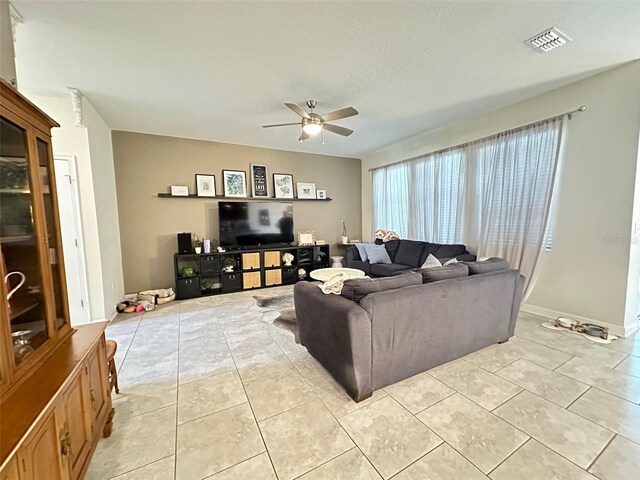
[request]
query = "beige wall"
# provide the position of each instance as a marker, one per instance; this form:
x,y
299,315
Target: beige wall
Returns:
x,y
588,273
7,53
148,164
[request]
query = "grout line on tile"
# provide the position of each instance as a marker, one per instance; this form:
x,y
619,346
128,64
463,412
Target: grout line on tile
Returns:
x,y
439,401
255,419
175,447
141,466
564,363
578,397
337,420
511,454
601,452
236,464
628,354
540,440
511,363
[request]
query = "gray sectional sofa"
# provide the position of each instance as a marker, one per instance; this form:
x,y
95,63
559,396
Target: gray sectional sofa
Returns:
x,y
381,331
406,255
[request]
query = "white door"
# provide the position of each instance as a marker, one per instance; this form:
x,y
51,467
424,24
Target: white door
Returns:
x,y
72,245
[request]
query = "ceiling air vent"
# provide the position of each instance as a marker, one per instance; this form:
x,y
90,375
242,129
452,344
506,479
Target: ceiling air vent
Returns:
x,y
548,40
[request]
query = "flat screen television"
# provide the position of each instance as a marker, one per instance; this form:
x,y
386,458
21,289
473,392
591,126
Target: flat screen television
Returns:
x,y
252,224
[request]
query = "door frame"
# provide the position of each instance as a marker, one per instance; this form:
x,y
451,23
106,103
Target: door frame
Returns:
x,y
77,220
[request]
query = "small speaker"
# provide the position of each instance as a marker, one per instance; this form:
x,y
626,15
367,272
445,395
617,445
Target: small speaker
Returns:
x,y
184,243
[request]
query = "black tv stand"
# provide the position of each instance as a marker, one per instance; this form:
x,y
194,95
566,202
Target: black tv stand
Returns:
x,y
202,274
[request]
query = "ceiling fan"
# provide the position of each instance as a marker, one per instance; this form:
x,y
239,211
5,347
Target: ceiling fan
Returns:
x,y
312,123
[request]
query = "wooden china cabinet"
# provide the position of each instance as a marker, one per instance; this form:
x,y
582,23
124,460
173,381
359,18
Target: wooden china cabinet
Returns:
x,y
54,388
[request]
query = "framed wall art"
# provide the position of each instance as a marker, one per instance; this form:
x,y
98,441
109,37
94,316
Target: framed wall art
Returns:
x,y
205,185
235,183
179,191
321,194
306,238
306,190
259,180
283,185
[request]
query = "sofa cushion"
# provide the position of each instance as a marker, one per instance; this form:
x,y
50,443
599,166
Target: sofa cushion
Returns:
x,y
448,251
445,272
386,270
429,249
409,253
491,265
392,248
377,254
357,288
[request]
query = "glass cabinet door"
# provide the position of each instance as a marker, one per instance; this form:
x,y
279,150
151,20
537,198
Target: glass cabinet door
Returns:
x,y
53,241
19,255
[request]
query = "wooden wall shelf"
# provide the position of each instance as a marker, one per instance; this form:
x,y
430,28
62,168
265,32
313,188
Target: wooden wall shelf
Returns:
x,y
254,199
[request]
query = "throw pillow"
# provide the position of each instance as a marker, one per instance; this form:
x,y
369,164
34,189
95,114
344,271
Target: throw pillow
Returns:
x,y
357,288
362,251
409,253
377,253
431,262
450,262
435,274
490,265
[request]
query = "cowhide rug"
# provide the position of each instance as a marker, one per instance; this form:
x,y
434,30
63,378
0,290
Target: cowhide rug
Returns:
x,y
279,310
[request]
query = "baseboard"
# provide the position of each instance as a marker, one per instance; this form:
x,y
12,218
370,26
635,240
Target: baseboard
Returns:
x,y
617,330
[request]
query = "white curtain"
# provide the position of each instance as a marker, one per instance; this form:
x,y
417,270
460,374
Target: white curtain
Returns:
x,y
391,199
422,199
516,173
494,194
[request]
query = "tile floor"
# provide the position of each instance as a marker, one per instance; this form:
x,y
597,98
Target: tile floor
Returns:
x,y
211,389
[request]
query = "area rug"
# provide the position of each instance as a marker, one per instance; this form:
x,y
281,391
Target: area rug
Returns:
x,y
279,311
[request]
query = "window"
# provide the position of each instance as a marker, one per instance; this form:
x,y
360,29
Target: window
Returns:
x,y
494,194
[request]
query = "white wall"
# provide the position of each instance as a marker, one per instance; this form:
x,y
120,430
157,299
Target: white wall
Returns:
x,y
91,146
588,272
104,192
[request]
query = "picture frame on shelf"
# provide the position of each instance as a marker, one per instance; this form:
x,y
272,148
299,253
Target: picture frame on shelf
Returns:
x,y
259,180
235,183
283,185
306,190
306,238
321,194
179,191
205,185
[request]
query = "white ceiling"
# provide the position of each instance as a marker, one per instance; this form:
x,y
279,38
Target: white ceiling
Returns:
x,y
220,70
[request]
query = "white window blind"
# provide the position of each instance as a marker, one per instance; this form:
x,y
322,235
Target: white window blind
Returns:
x,y
494,194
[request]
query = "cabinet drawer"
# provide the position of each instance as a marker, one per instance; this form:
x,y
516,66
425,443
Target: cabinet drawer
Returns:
x,y
209,265
289,275
251,280
251,261
231,282
188,287
272,258
272,277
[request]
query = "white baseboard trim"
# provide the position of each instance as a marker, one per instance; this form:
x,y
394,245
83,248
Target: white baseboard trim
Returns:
x,y
617,330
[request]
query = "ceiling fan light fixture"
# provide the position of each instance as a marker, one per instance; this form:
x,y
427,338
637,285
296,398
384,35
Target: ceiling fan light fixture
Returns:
x,y
312,128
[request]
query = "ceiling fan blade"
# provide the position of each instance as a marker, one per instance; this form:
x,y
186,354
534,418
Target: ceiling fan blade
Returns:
x,y
338,114
303,136
298,110
345,132
280,125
